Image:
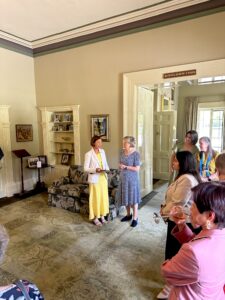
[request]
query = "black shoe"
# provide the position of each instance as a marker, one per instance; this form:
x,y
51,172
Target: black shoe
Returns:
x,y
134,223
126,218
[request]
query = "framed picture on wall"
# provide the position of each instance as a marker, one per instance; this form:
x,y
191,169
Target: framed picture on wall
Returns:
x,y
100,126
65,159
24,133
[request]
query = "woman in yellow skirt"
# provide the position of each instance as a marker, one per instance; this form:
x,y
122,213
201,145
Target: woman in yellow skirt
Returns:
x,y
96,165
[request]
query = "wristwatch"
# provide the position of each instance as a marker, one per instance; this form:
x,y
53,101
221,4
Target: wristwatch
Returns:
x,y
125,168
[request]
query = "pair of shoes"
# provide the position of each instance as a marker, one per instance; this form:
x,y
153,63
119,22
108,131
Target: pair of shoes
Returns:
x,y
134,223
103,220
165,292
97,222
126,218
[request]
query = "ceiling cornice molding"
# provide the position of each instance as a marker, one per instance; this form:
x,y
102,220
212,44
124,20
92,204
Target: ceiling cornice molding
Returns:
x,y
167,11
117,21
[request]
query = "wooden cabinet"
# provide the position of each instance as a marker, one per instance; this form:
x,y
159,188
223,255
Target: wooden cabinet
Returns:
x,y
61,134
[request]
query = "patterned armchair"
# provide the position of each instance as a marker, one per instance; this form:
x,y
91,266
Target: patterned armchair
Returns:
x,y
72,192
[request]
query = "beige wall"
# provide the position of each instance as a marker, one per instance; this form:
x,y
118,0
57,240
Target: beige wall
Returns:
x,y
91,75
212,92
17,89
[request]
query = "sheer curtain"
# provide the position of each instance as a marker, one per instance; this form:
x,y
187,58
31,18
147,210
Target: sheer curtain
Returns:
x,y
191,113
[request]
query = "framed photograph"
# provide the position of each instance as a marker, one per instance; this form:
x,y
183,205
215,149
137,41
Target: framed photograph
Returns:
x,y
67,117
71,127
32,162
55,128
100,126
57,118
24,133
43,159
60,128
65,159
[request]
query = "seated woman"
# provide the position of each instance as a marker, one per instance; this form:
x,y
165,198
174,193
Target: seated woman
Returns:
x,y
189,144
198,270
206,159
23,289
16,292
178,193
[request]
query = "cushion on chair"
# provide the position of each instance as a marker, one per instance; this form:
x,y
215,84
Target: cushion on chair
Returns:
x,y
79,177
113,178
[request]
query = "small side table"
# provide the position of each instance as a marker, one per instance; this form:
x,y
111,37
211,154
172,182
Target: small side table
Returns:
x,y
40,185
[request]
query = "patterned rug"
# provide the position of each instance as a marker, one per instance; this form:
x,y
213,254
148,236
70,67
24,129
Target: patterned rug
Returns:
x,y
69,258
146,199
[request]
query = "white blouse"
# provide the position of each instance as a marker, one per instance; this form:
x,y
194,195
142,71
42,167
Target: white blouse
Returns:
x,y
179,193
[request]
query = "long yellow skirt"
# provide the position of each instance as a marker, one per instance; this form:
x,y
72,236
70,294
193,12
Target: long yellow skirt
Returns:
x,y
99,198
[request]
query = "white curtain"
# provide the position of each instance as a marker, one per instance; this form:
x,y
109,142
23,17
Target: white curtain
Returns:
x,y
191,113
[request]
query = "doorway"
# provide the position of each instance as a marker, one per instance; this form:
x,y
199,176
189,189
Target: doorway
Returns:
x,y
151,78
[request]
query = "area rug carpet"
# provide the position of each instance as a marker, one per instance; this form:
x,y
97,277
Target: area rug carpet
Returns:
x,y
71,259
146,199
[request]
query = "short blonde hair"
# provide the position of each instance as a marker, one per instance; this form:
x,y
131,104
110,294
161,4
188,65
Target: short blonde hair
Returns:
x,y
131,140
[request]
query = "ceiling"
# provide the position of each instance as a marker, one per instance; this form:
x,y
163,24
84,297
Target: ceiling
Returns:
x,y
42,25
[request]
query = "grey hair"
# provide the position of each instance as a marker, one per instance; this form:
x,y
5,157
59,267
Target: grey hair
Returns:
x,y
131,140
208,142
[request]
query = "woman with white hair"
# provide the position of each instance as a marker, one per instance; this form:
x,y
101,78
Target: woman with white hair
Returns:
x,y
206,160
129,188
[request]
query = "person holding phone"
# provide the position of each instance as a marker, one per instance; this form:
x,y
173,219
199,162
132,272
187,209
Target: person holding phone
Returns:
x,y
96,166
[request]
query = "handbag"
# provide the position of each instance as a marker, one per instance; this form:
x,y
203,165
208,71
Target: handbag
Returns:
x,y
23,289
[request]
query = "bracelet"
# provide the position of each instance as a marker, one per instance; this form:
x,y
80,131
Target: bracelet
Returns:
x,y
125,168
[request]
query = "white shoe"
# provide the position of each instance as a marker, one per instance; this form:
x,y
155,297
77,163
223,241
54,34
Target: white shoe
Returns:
x,y
165,292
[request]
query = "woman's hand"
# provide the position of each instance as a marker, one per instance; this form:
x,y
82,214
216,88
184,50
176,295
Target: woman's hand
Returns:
x,y
98,170
122,166
177,215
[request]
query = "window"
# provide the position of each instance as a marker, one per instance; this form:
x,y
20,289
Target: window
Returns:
x,y
211,124
211,80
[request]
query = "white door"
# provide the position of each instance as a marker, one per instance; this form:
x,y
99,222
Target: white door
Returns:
x,y
138,122
164,138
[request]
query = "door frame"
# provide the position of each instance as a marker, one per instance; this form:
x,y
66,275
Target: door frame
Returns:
x,y
6,174
155,76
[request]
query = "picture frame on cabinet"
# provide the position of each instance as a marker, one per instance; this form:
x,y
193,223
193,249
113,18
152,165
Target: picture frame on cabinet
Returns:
x,y
32,162
55,128
57,118
43,160
60,128
100,126
67,117
65,159
71,127
24,133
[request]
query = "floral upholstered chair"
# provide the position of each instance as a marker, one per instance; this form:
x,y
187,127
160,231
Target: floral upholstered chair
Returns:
x,y
72,192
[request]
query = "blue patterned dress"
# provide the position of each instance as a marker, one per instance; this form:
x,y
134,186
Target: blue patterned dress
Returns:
x,y
129,187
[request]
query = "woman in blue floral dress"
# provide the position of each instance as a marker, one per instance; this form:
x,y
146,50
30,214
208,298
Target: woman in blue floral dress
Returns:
x,y
129,187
